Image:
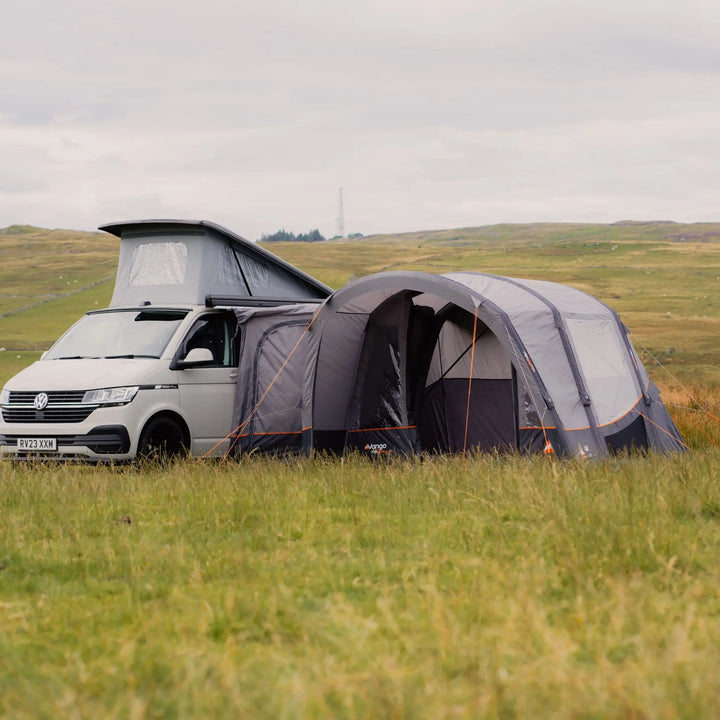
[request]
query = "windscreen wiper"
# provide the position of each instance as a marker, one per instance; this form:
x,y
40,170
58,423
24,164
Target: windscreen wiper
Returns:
x,y
129,357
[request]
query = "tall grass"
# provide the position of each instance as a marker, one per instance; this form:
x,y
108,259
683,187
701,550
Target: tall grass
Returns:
x,y
489,587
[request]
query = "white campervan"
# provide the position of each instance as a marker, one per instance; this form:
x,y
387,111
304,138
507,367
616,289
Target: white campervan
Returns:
x,y
156,372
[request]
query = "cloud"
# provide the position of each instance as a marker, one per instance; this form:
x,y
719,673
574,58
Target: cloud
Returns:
x,y
428,115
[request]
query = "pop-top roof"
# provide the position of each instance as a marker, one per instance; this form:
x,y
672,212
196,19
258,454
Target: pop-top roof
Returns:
x,y
196,261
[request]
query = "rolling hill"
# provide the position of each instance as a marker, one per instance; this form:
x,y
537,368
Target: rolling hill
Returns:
x,y
662,277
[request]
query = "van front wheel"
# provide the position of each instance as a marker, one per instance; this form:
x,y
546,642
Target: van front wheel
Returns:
x,y
163,437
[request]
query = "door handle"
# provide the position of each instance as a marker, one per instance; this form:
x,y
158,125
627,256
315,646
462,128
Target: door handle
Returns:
x,y
233,374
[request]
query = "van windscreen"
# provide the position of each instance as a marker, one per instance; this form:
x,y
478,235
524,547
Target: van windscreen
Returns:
x,y
118,334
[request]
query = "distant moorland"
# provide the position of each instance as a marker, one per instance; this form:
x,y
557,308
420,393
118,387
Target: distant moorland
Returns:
x,y
663,278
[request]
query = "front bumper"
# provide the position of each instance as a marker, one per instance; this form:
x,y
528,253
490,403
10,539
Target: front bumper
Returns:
x,y
98,444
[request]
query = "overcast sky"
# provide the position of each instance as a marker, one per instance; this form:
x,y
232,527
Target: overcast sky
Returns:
x,y
430,114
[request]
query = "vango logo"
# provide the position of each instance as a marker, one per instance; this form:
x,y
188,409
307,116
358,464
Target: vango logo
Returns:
x,y
377,449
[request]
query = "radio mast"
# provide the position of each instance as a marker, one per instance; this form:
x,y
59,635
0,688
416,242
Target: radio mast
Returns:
x,y
340,216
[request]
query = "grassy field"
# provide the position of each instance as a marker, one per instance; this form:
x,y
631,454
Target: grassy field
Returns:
x,y
486,587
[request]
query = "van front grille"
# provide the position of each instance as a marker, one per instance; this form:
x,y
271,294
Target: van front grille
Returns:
x,y
62,407
55,397
49,415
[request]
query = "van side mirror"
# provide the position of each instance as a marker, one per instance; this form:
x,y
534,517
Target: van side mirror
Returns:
x,y
197,357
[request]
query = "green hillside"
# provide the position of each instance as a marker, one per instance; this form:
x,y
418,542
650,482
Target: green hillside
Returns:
x,y
48,278
663,278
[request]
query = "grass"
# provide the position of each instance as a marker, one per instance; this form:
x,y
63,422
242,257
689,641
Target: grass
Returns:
x,y
487,587
40,264
48,279
496,587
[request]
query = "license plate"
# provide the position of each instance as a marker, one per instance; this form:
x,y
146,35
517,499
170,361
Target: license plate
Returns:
x,y
37,444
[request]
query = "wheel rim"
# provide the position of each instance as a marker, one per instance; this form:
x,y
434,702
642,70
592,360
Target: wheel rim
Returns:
x,y
165,439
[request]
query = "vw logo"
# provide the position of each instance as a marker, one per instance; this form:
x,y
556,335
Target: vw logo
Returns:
x,y
41,401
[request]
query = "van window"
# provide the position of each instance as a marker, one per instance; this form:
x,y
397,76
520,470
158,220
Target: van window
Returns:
x,y
217,333
116,334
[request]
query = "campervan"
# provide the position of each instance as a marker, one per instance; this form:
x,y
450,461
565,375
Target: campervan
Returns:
x,y
155,372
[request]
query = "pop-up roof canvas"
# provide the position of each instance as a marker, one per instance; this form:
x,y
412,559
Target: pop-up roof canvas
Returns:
x,y
178,261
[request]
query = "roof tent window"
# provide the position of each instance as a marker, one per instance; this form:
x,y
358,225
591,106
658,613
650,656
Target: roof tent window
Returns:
x,y
158,263
228,270
605,366
255,272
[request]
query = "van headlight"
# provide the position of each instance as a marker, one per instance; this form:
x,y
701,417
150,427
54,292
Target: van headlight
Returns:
x,y
4,396
110,396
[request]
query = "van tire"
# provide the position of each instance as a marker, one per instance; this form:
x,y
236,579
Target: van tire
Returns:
x,y
163,437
